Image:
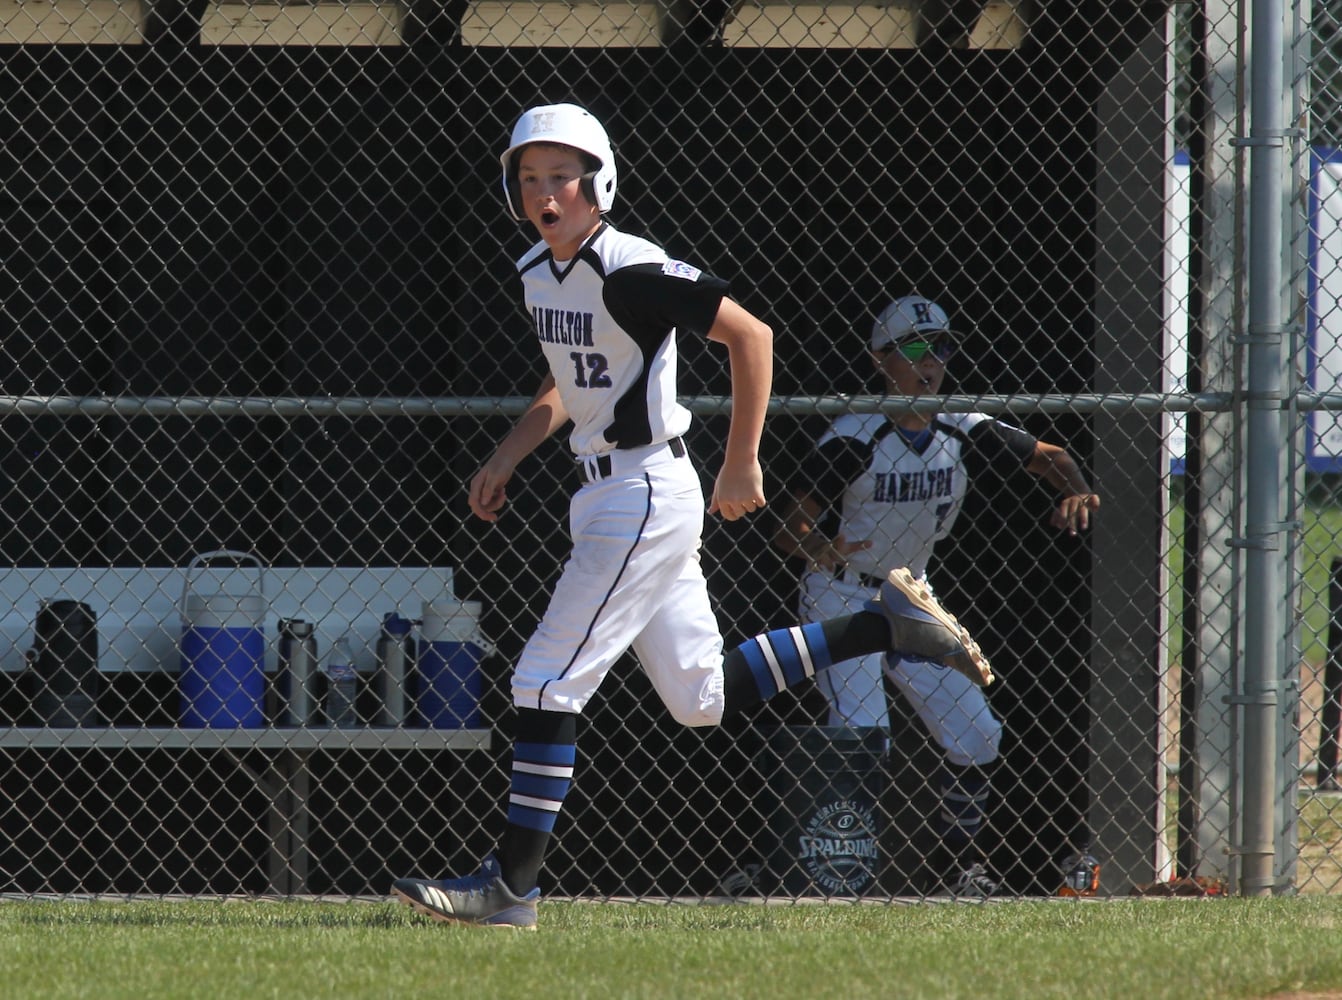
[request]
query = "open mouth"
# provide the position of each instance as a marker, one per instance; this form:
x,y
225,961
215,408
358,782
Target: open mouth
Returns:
x,y
549,217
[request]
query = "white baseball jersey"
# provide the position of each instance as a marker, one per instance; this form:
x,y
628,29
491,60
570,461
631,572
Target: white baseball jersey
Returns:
x,y
899,491
606,321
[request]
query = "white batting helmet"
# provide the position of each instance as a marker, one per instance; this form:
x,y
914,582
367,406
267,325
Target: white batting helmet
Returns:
x,y
567,125
910,316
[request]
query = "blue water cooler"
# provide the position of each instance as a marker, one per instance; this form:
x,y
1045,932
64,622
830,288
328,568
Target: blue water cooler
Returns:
x,y
222,682
448,681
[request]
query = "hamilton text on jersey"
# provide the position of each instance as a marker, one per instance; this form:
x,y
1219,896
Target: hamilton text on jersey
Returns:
x,y
895,487
563,326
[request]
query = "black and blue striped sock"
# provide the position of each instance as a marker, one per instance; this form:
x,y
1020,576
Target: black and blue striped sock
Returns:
x,y
763,666
544,755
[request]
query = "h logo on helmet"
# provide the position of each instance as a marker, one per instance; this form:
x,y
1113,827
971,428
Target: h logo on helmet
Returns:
x,y
923,312
543,122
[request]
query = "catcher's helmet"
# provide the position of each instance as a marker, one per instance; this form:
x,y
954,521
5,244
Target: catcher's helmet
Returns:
x,y
910,316
568,125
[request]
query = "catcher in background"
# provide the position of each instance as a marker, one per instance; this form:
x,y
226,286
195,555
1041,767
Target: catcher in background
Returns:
x,y
878,493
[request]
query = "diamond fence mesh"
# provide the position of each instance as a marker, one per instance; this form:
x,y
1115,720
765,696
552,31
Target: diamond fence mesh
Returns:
x,y
262,330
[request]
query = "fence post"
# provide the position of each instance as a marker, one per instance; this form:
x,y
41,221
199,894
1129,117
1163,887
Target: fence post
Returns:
x,y
1264,566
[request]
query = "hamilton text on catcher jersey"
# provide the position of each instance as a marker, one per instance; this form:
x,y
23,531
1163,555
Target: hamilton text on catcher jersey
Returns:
x,y
902,491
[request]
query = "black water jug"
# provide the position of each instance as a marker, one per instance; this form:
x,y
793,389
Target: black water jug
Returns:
x,y
63,664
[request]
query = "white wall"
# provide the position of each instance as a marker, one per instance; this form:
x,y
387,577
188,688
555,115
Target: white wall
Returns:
x,y
1325,305
139,617
1324,447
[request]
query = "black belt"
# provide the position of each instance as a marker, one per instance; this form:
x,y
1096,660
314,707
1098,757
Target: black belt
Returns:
x,y
852,576
593,470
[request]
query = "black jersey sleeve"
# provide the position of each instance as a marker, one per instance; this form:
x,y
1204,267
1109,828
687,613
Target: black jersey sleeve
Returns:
x,y
648,300
997,442
828,469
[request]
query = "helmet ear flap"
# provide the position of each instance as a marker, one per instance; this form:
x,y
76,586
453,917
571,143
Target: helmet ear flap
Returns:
x,y
587,184
512,189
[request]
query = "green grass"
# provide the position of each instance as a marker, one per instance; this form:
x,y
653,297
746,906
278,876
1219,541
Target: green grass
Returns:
x,y
1129,949
1319,543
1319,835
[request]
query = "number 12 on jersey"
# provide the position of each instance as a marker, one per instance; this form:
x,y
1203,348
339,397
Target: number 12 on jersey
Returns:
x,y
589,371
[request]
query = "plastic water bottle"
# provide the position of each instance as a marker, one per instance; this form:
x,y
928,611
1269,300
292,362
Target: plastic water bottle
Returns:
x,y
342,688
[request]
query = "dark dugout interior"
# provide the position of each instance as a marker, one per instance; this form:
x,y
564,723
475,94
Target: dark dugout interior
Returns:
x,y
231,221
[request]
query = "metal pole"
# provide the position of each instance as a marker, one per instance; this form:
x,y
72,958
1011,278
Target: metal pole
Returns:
x,y
1263,432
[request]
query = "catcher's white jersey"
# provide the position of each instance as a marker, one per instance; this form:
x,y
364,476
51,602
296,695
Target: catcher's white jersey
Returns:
x,y
606,321
903,492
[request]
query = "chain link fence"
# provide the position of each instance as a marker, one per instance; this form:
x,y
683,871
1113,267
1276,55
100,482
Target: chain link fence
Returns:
x,y
256,276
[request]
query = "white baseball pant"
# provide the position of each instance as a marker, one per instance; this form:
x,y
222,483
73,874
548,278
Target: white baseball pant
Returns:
x,y
633,579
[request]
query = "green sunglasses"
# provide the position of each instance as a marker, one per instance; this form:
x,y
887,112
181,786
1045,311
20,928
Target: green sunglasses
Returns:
x,y
941,348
